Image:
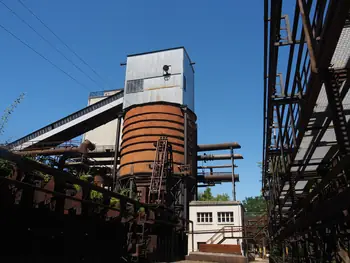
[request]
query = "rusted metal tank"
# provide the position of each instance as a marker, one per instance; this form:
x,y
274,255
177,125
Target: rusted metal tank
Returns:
x,y
143,126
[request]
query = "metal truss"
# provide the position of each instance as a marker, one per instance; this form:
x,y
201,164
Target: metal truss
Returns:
x,y
306,143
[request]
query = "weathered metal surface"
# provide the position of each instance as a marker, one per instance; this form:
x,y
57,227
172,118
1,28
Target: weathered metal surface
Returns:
x,y
211,157
217,177
147,81
55,200
216,166
143,125
83,149
219,146
306,155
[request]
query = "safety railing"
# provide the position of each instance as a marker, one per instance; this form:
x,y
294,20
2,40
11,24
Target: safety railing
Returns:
x,y
223,233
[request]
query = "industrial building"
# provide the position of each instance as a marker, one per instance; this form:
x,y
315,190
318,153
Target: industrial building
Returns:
x,y
128,192
136,169
216,222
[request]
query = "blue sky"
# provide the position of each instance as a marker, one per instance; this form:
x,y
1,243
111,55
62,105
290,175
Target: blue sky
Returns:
x,y
224,38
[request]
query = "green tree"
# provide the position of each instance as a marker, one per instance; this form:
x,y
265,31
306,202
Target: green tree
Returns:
x,y
254,206
222,197
8,111
208,196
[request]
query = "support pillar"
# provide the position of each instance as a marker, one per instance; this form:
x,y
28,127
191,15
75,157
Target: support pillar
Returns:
x,y
116,151
185,201
233,176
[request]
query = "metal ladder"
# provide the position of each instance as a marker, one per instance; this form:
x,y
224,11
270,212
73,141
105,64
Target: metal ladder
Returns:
x,y
159,170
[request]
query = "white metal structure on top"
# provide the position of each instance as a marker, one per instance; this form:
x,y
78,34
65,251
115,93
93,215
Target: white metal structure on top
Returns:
x,y
159,76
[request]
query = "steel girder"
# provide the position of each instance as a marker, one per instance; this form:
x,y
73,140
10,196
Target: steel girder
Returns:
x,y
306,129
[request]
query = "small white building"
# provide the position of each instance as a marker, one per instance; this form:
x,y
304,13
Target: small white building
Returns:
x,y
215,222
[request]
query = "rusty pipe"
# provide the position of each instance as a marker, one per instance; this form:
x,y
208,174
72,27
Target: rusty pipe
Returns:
x,y
217,177
211,157
308,35
216,166
219,146
83,148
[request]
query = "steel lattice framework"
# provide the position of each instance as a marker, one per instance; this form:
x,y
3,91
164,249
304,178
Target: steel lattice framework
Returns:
x,y
306,130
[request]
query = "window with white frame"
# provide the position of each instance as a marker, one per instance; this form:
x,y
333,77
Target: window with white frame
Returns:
x,y
205,217
225,217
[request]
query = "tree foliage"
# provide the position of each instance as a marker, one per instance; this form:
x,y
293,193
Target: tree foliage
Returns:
x,y
208,196
8,111
254,206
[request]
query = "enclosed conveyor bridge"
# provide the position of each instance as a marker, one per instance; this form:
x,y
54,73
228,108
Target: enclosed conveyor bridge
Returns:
x,y
73,125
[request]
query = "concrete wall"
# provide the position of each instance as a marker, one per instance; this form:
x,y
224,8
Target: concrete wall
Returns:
x,y
237,210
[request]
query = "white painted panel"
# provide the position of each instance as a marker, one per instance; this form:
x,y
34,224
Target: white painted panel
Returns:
x,y
151,64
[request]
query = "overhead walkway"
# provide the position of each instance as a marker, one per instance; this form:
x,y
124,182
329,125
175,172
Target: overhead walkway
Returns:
x,y
73,125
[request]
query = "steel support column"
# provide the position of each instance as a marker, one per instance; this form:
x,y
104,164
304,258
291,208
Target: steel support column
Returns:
x,y
116,151
233,175
185,181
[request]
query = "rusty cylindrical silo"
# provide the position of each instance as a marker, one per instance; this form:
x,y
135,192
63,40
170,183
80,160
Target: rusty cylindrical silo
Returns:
x,y
143,126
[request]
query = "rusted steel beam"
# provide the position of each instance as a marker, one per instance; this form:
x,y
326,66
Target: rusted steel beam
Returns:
x,y
333,207
211,157
219,146
216,166
217,177
83,149
308,35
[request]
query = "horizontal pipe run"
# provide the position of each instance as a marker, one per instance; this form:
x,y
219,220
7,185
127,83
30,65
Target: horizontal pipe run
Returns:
x,y
83,148
217,177
219,146
205,185
211,157
216,166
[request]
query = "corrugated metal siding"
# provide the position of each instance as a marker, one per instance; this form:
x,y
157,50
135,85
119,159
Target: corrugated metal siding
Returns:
x,y
148,68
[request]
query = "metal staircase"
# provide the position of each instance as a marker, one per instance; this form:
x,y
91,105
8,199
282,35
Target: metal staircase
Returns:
x,y
219,237
161,167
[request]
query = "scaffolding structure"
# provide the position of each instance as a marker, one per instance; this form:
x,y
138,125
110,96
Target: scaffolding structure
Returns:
x,y
306,143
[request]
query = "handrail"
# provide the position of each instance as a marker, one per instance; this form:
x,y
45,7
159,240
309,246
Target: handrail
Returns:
x,y
221,233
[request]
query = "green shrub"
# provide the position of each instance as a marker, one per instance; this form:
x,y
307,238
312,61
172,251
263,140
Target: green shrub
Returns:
x,y
114,202
5,168
95,195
